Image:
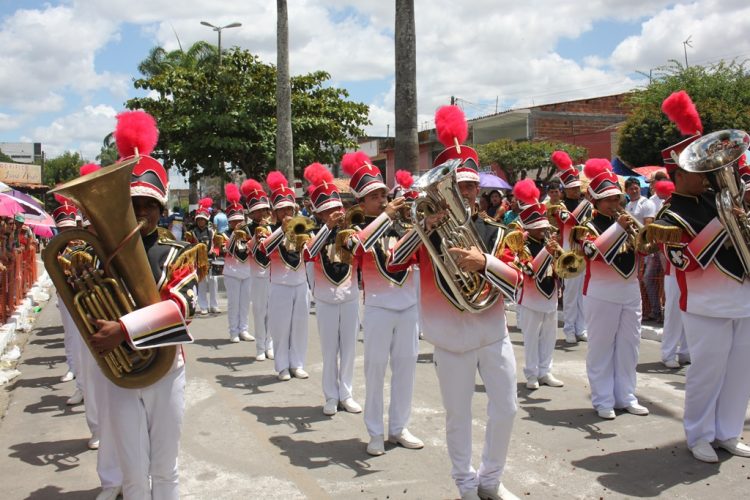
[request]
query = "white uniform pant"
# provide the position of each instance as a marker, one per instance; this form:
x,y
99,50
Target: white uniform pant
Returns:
x,y
74,344
673,341
238,304
146,429
208,291
389,334
716,387
418,286
259,298
539,332
287,322
338,325
574,319
456,374
614,337
97,404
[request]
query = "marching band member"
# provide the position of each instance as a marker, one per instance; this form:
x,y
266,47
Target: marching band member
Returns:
x,y
208,289
258,209
538,298
390,317
237,272
468,342
91,378
713,288
611,297
674,348
334,286
577,210
288,290
147,422
404,182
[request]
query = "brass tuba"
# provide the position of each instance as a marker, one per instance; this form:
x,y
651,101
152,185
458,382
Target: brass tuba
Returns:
x,y
716,155
124,284
297,232
440,192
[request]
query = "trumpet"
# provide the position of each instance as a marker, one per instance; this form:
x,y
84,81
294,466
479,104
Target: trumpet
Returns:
x,y
355,216
297,230
572,263
220,239
636,235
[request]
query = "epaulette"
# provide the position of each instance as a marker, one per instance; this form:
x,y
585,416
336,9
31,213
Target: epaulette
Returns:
x,y
165,234
195,257
661,211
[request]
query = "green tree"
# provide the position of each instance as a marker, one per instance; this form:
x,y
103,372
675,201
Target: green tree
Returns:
x,y
721,93
210,116
5,158
527,157
108,154
62,168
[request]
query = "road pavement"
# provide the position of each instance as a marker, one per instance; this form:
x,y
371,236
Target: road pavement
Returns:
x,y
247,435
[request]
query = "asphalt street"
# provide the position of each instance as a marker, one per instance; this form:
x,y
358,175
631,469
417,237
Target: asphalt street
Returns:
x,y
248,435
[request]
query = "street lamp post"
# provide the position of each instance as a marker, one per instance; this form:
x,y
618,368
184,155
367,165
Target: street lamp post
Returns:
x,y
218,29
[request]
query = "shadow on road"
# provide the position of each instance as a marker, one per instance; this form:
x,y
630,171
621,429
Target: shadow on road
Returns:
x,y
657,367
299,418
670,466
215,343
313,455
51,403
38,383
581,419
425,357
252,383
52,343
48,330
50,361
232,363
63,455
50,492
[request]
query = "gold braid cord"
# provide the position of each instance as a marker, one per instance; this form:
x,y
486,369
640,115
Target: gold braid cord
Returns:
x,y
165,234
663,234
196,258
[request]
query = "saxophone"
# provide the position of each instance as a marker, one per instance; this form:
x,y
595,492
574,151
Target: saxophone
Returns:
x,y
125,282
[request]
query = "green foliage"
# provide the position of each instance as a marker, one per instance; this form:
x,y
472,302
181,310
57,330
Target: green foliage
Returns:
x,y
721,93
209,116
108,154
61,169
5,158
517,158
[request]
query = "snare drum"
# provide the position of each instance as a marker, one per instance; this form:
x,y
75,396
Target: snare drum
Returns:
x,y
217,267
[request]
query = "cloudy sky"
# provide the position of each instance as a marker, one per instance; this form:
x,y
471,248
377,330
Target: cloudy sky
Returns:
x,y
67,66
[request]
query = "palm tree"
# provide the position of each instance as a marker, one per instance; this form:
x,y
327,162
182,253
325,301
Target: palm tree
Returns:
x,y
407,140
284,144
108,154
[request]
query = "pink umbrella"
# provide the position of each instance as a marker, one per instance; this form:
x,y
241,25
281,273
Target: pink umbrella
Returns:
x,y
44,220
43,231
9,207
648,171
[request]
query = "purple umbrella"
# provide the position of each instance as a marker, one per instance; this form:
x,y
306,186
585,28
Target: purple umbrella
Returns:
x,y
29,204
491,181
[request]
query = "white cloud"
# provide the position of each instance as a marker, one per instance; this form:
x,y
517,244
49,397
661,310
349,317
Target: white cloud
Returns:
x,y
81,131
8,122
480,51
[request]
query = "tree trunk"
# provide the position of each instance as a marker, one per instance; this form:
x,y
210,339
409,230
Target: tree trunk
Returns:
x,y
284,153
407,141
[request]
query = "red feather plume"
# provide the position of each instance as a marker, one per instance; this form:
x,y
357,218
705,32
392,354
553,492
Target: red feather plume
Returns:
x,y
562,160
249,186
742,161
404,178
275,180
205,202
316,174
526,192
450,124
596,166
232,193
88,168
681,111
351,162
62,200
135,130
664,188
